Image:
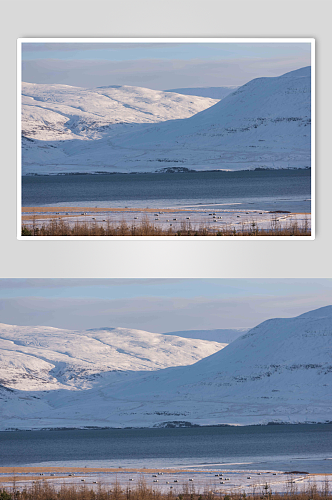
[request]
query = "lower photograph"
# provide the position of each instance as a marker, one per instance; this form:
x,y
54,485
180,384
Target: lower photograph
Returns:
x,y
184,389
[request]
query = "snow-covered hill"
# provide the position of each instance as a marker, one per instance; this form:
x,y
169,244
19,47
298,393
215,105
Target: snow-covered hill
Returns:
x,y
61,112
224,335
279,371
212,92
46,358
264,123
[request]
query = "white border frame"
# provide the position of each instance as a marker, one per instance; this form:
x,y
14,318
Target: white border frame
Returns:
x,y
20,41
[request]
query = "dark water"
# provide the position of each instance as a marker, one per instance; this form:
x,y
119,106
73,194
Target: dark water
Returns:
x,y
289,189
294,447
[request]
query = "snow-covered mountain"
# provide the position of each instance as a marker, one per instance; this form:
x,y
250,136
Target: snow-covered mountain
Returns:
x,y
224,335
264,123
62,112
58,120
46,358
212,92
279,371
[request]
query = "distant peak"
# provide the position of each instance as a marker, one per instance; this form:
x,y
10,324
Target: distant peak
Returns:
x,y
306,71
103,328
111,87
322,312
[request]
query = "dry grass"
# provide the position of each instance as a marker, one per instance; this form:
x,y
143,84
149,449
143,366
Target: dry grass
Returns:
x,y
45,491
146,228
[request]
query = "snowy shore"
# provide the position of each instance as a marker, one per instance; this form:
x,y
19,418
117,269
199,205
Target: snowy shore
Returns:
x,y
163,480
218,218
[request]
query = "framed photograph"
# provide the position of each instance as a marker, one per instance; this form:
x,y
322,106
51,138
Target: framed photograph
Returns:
x,y
164,389
177,138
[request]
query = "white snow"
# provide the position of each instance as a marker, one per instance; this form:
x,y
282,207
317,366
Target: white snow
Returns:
x,y
62,112
40,358
264,123
174,478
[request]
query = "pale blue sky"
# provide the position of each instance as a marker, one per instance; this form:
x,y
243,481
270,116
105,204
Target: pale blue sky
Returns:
x,y
158,305
159,65
182,51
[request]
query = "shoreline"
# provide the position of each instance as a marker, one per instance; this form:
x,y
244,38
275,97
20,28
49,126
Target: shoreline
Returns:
x,y
163,480
214,219
139,470
192,426
166,170
60,210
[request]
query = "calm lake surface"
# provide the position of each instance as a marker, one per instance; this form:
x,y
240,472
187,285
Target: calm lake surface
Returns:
x,y
267,190
284,447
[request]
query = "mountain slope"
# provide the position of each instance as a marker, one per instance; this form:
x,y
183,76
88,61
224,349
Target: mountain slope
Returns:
x,y
62,112
45,358
279,370
264,123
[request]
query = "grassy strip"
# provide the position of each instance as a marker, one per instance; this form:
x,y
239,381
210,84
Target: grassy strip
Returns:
x,y
45,491
146,228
